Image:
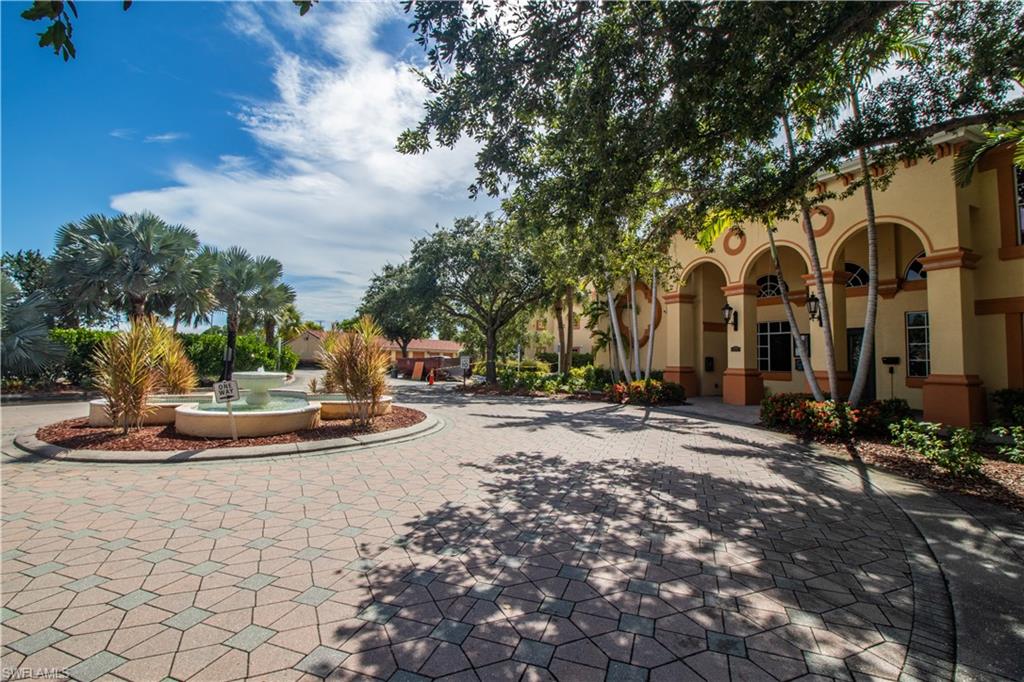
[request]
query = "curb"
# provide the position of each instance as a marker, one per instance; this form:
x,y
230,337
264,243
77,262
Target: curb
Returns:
x,y
29,443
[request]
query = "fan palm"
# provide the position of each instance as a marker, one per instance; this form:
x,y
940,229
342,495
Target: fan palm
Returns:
x,y
128,262
191,296
239,278
268,308
26,343
969,157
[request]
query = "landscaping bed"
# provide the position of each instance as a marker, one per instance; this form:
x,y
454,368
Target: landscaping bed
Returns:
x,y
998,481
76,434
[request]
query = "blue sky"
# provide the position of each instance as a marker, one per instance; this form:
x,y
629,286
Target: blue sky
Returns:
x,y
243,121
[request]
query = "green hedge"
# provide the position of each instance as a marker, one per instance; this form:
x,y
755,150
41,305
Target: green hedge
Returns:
x,y
1010,405
206,351
578,359
80,344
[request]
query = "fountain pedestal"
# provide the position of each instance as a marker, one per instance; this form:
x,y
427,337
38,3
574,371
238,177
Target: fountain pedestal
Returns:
x,y
258,384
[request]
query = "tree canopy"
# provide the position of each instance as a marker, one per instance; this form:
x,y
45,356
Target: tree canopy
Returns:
x,y
397,301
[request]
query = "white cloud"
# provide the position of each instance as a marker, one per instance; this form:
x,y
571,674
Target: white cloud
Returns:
x,y
122,133
164,137
336,201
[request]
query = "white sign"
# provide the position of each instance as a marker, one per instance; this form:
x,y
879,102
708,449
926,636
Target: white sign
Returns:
x,y
464,362
225,391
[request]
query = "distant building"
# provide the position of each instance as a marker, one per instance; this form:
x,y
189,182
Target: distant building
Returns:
x,y
307,346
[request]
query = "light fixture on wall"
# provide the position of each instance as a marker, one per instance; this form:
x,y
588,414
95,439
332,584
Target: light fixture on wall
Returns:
x,y
730,315
814,309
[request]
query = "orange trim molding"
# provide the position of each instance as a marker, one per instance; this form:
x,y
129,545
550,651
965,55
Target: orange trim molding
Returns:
x,y
914,382
887,288
679,297
915,285
828,276
740,289
1015,350
958,257
741,386
731,248
954,399
777,376
830,219
999,306
684,376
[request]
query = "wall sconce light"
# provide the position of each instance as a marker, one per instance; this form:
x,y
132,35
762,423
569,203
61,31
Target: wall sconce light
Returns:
x,y
731,315
814,309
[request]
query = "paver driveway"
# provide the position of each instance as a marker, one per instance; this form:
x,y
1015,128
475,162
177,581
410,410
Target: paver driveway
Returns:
x,y
530,540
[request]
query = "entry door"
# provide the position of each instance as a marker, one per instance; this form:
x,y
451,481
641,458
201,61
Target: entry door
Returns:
x,y
854,342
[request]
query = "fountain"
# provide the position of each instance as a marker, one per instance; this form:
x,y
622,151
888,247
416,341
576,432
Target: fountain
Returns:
x,y
258,384
258,413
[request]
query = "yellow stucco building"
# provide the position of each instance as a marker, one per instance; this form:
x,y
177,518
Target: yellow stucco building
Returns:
x,y
950,312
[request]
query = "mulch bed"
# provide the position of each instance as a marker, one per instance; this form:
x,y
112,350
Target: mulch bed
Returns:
x,y
1000,481
76,434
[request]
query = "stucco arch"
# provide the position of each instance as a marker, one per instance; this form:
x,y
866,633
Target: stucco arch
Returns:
x,y
694,264
758,252
848,233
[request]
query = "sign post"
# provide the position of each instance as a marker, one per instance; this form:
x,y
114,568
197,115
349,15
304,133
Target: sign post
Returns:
x,y
464,364
227,392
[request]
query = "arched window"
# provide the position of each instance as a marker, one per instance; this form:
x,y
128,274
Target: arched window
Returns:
x,y
858,275
768,286
915,270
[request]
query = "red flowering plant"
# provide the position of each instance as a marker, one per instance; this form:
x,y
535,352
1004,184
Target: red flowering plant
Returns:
x,y
827,420
646,392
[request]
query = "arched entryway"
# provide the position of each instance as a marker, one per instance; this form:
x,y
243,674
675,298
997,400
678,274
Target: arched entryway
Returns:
x,y
699,358
901,356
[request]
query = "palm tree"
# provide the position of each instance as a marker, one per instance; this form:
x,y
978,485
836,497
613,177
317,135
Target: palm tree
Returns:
x,y
969,157
268,308
128,262
240,278
192,298
26,344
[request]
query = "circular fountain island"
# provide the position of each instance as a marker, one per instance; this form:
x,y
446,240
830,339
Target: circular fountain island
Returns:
x,y
258,413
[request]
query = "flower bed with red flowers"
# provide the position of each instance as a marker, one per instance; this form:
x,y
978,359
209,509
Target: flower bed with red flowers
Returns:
x,y
801,414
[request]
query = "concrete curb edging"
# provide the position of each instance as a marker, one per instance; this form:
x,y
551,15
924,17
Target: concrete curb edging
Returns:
x,y
28,442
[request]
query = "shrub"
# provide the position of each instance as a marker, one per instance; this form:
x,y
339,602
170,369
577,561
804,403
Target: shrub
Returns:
x,y
177,374
799,413
288,360
358,363
80,344
578,359
590,378
672,393
958,457
126,370
637,392
1014,451
1010,405
206,351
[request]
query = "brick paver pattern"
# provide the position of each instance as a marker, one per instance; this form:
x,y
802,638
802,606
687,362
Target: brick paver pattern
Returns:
x,y
529,540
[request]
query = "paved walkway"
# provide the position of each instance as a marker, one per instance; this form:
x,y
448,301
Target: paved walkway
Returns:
x,y
532,539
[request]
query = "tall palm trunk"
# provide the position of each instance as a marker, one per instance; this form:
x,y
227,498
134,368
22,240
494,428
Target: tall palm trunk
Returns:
x,y
560,345
571,324
229,350
269,329
617,334
819,281
633,324
787,306
138,308
864,366
650,332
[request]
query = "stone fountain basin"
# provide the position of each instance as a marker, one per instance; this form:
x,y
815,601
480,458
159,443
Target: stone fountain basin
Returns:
x,y
338,406
162,415
192,421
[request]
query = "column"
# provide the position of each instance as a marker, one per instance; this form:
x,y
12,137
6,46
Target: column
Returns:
x,y
953,392
835,295
679,363
742,383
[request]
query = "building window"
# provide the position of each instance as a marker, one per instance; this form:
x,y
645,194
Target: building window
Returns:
x,y
774,347
799,366
768,286
919,361
915,270
1018,178
858,275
